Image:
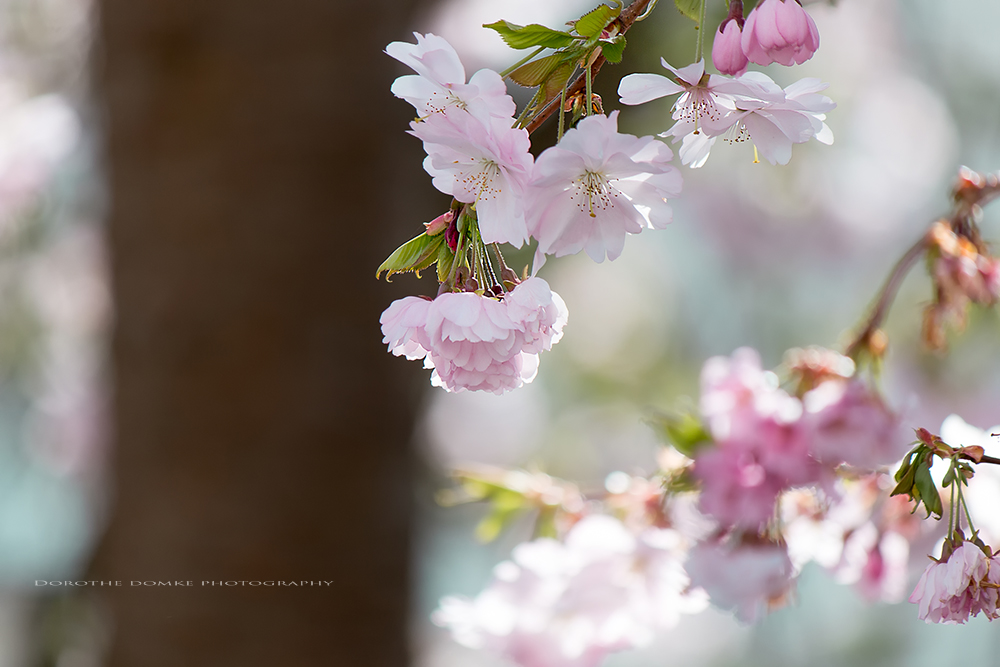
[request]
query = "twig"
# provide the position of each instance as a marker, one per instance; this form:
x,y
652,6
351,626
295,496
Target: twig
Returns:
x,y
624,22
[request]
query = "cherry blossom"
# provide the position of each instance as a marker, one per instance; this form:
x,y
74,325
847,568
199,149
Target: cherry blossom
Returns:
x,y
475,342
850,424
959,586
751,107
571,603
485,163
598,185
700,106
439,82
747,579
727,51
779,31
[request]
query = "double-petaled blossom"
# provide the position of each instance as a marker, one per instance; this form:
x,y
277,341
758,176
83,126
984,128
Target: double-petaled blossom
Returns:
x,y
571,603
962,585
779,31
750,107
479,162
439,82
598,185
475,342
747,579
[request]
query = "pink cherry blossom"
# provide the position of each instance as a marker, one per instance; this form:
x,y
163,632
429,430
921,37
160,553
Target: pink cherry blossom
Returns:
x,y
851,424
481,162
474,342
570,604
727,51
963,585
700,105
779,31
746,579
736,489
747,411
439,82
598,185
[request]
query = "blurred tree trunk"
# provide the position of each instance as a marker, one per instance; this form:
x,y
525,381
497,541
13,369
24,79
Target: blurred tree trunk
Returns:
x,y
262,431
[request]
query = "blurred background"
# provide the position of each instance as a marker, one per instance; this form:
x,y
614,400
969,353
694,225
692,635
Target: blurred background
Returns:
x,y
194,195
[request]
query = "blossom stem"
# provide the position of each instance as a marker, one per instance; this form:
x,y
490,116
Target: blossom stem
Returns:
x,y
700,43
590,93
965,506
562,112
505,73
886,297
624,21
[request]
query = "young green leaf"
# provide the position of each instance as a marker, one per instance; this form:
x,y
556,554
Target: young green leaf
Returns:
x,y
684,431
924,483
414,255
593,22
614,49
690,8
537,71
530,36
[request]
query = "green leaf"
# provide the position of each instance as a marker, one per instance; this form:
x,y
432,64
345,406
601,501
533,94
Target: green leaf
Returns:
x,y
924,484
507,505
530,36
614,49
554,84
445,259
684,431
690,8
414,255
593,22
536,72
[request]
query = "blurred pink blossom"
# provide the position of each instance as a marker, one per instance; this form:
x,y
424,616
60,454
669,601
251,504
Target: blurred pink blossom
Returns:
x,y
747,579
571,603
851,424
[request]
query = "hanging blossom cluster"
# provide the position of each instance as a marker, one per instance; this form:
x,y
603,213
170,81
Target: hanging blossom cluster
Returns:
x,y
487,325
746,106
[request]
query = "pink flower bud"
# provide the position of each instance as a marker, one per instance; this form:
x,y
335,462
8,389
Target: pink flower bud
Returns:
x,y
727,50
779,31
439,224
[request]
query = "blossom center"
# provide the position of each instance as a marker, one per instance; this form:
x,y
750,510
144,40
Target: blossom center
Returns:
x,y
593,190
486,183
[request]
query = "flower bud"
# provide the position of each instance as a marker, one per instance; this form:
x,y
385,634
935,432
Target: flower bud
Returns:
x,y
779,31
727,50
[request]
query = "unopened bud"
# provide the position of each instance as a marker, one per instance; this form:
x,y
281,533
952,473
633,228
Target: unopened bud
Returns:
x,y
439,224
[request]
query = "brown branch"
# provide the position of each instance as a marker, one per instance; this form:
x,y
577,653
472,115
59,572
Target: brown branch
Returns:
x,y
887,295
971,192
624,22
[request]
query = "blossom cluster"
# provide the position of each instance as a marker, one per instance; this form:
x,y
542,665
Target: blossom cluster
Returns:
x,y
585,194
477,342
570,603
749,107
766,440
